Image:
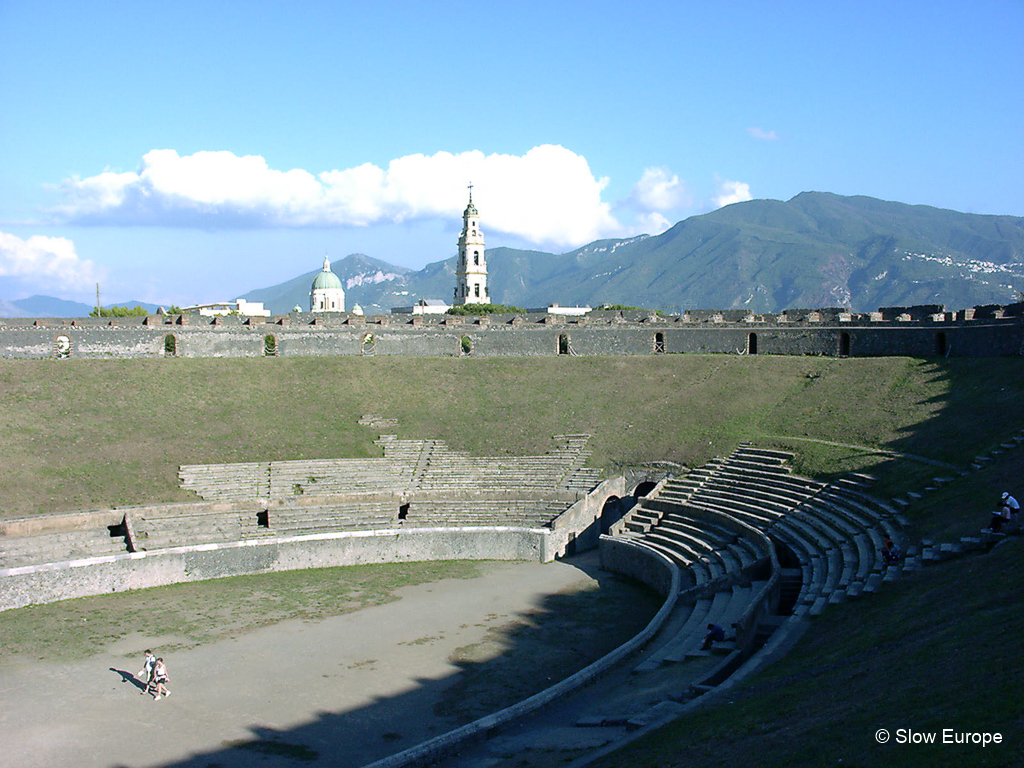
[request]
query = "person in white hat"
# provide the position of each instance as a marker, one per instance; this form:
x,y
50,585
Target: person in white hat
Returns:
x,y
1009,501
1008,509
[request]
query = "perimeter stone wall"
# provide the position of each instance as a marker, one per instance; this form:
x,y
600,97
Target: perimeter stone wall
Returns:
x,y
906,331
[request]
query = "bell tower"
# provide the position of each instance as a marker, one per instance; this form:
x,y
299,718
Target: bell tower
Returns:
x,y
471,270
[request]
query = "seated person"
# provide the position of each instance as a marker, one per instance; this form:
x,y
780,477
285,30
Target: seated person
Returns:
x,y
891,554
1008,510
1000,516
1009,504
715,635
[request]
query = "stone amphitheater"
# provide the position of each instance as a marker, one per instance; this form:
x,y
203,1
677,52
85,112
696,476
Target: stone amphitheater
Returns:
x,y
741,542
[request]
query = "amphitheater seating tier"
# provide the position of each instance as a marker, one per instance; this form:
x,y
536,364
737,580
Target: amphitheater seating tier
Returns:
x,y
408,466
161,531
833,532
56,547
352,516
317,495
518,512
724,608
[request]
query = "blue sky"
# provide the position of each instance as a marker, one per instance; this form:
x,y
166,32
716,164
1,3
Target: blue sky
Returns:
x,y
186,152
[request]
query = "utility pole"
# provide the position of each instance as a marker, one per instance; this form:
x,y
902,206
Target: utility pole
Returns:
x,y
98,313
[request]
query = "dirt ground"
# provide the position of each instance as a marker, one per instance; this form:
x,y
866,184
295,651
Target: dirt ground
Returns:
x,y
343,691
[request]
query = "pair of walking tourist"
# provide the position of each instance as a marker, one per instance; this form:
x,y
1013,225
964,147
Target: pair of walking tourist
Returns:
x,y
154,672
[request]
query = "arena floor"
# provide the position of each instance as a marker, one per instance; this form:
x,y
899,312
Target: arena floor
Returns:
x,y
342,692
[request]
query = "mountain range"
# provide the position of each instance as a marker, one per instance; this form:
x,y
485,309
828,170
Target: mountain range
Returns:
x,y
48,306
816,250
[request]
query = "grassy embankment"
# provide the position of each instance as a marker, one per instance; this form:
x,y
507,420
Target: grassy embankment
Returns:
x,y
933,651
83,434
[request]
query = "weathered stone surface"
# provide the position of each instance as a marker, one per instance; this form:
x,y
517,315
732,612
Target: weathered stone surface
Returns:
x,y
801,332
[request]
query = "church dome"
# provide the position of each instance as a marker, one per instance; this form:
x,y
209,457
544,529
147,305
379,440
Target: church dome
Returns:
x,y
326,294
326,280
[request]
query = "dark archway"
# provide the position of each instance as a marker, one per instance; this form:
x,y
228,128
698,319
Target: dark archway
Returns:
x,y
611,513
751,343
170,345
844,344
644,488
941,346
659,343
563,343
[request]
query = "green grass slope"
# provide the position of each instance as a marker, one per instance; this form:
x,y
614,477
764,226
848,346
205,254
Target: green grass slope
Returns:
x,y
86,434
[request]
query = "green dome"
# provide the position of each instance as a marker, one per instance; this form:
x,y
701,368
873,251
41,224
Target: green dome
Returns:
x,y
326,280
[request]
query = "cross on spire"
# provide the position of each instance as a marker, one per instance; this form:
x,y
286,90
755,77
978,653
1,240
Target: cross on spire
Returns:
x,y
471,191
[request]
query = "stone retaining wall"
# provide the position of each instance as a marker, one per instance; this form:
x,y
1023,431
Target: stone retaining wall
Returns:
x,y
581,523
637,562
35,584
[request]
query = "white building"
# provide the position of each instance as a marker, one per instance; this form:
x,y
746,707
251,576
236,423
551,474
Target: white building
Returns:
x,y
471,272
423,307
326,293
236,307
558,309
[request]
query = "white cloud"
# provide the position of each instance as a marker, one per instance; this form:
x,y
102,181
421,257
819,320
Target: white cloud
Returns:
x,y
547,195
730,192
659,190
653,223
761,134
46,263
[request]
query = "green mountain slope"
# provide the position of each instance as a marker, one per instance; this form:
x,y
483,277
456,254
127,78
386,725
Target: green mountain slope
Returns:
x,y
816,250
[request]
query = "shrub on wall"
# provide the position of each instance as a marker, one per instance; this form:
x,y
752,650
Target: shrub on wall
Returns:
x,y
119,312
623,307
486,309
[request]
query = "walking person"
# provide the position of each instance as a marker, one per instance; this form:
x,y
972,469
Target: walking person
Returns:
x,y
160,679
146,673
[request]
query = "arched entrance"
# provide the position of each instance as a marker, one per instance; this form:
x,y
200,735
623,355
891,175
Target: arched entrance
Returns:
x,y
170,345
644,488
751,343
563,343
659,343
941,346
270,345
611,513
